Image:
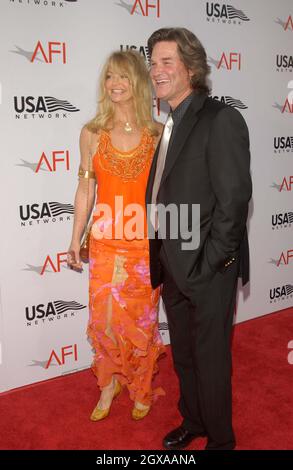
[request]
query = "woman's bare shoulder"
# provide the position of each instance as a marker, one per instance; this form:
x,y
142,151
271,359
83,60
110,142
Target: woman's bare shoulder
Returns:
x,y
88,137
87,133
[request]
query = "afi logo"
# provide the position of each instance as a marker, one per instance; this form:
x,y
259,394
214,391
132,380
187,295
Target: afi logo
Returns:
x,y
55,267
145,7
57,157
50,50
61,358
285,258
230,60
286,184
289,24
287,107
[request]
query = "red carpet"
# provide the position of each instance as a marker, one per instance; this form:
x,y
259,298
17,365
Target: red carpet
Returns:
x,y
55,414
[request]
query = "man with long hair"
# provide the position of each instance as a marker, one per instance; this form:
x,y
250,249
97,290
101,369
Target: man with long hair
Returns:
x,y
203,158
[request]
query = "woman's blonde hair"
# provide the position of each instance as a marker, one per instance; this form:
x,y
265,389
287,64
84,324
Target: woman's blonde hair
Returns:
x,y
133,65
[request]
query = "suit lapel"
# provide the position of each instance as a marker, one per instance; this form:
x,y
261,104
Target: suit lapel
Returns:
x,y
186,125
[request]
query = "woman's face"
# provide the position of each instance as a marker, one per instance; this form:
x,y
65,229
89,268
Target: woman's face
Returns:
x,y
118,86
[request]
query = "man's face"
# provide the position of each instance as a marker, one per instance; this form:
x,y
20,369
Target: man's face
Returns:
x,y
170,77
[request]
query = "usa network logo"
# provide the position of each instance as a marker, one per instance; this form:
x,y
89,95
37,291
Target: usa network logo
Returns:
x,y
42,3
143,50
284,63
224,13
43,107
46,52
282,220
283,144
280,293
51,311
235,103
141,7
45,213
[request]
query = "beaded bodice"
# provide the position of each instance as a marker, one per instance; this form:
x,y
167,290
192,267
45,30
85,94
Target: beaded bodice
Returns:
x,y
125,165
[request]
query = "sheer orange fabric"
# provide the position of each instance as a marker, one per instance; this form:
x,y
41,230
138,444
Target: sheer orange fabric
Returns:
x,y
123,324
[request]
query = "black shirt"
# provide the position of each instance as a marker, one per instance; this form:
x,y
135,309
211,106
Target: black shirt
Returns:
x,y
178,113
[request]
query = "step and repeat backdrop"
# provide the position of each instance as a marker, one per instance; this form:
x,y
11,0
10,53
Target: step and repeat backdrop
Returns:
x,y
51,57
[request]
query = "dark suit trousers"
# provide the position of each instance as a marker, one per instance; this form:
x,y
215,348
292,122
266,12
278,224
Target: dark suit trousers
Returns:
x,y
200,335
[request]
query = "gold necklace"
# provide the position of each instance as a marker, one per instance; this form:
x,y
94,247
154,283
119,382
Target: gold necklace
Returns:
x,y
127,127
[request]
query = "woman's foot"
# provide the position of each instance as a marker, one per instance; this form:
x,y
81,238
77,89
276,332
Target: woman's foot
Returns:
x,y
108,393
139,410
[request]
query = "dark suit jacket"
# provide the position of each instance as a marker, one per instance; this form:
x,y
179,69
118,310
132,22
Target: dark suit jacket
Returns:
x,y
207,164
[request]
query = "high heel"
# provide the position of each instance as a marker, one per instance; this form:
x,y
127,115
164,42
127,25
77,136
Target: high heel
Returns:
x,y
139,414
99,413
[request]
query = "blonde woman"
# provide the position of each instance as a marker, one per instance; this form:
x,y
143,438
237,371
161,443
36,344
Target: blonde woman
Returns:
x,y
123,324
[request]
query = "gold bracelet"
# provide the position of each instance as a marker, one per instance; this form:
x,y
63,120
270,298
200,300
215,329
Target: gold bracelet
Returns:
x,y
86,173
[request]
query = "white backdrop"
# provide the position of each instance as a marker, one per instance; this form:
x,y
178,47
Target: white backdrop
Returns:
x,y
51,56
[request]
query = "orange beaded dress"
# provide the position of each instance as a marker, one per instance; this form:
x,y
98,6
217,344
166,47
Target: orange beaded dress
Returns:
x,y
123,323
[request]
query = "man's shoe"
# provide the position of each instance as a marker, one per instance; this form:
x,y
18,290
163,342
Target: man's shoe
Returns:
x,y
179,438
